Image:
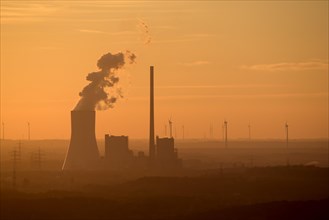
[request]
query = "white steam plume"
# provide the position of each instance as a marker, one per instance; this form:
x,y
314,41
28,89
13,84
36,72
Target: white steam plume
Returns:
x,y
96,95
144,29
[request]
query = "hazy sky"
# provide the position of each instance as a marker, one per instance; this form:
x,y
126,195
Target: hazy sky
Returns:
x,y
258,62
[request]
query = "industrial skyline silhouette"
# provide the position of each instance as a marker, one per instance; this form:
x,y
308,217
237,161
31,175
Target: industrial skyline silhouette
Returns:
x,y
192,110
83,152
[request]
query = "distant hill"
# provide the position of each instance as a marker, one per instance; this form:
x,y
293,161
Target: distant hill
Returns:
x,y
258,193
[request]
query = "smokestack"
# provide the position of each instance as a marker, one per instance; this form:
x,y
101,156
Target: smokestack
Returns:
x,y
151,143
225,129
83,152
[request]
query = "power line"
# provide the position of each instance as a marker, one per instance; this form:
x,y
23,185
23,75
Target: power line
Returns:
x,y
37,158
15,157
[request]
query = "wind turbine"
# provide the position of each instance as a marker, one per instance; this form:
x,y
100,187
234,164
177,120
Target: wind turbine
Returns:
x,y
3,131
225,127
211,131
28,131
287,142
165,130
287,137
249,128
170,127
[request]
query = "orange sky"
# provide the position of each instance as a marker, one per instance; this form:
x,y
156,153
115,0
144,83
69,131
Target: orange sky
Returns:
x,y
258,62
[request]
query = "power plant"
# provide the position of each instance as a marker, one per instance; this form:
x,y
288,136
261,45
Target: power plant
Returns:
x,y
163,154
117,153
167,155
83,152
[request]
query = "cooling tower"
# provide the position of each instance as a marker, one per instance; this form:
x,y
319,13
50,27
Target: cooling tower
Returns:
x,y
83,152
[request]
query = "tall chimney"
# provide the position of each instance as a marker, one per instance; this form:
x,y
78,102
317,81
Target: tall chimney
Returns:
x,y
151,143
83,151
225,127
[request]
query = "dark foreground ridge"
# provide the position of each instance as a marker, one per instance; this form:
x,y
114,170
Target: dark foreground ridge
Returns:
x,y
272,210
93,208
258,193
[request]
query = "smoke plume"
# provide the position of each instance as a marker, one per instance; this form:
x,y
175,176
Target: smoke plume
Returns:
x,y
144,29
101,93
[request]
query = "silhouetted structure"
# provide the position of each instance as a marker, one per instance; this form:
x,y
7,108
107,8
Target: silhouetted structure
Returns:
x,y
83,152
151,138
175,132
165,134
3,131
249,130
170,127
287,143
19,152
15,158
37,158
141,160
28,131
287,137
167,153
211,131
162,154
117,153
225,132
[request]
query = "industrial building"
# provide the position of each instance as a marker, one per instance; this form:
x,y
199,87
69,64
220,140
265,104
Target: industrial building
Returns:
x,y
166,153
83,152
162,154
117,153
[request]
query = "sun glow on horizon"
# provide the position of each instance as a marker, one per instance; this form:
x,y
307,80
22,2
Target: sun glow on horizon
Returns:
x,y
262,63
